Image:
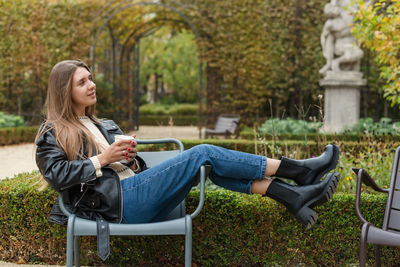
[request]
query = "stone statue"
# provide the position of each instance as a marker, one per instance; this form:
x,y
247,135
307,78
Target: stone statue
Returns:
x,y
342,76
338,44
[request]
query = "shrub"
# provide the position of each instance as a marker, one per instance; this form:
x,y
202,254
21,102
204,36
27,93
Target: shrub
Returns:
x,y
17,135
377,159
288,126
368,126
175,120
233,229
176,109
356,136
10,120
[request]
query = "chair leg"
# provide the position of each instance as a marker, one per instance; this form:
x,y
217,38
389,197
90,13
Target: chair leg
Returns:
x,y
363,245
76,251
377,253
70,240
188,241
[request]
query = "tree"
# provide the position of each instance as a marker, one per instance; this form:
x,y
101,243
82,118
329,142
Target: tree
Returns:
x,y
378,29
36,34
172,57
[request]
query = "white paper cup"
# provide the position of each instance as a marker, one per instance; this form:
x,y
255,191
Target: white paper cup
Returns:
x,y
123,137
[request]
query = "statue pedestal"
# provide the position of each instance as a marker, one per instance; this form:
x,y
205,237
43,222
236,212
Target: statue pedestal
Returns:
x,y
342,99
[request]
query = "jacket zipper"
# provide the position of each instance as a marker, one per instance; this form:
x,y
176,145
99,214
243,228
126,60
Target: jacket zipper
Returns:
x,y
79,200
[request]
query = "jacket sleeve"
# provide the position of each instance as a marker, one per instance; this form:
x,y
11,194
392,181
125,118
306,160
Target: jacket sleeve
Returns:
x,y
55,167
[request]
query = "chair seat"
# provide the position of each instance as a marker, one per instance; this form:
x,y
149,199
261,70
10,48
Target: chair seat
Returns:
x,y
378,236
84,227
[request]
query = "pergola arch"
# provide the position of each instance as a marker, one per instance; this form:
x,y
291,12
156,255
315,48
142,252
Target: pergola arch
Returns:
x,y
121,7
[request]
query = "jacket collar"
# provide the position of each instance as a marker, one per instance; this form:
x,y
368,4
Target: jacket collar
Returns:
x,y
105,129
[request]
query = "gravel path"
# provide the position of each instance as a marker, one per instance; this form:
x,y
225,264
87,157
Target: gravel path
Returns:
x,y
17,159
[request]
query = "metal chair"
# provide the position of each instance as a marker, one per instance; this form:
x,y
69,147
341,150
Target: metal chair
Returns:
x,y
177,223
389,234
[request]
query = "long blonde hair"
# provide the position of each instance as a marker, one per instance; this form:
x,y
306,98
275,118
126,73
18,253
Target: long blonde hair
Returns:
x,y
69,132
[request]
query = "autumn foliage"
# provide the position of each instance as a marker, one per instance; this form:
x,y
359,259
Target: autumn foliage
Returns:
x,y
378,29
261,58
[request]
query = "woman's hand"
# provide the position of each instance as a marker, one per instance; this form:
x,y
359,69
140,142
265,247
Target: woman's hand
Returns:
x,y
117,151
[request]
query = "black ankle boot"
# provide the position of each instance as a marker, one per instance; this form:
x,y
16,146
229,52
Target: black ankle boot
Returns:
x,y
300,200
309,171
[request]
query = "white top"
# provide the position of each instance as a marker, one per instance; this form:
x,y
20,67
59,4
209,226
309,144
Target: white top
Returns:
x,y
122,170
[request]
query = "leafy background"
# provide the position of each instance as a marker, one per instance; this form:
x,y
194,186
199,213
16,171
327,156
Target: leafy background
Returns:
x,y
261,58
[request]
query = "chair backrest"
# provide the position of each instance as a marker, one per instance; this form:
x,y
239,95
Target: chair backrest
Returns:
x,y
227,123
153,158
391,220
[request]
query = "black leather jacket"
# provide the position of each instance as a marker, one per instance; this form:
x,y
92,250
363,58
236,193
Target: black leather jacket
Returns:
x,y
83,193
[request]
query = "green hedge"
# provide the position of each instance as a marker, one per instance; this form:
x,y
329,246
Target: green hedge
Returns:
x,y
9,120
176,120
17,135
248,133
294,149
175,109
232,230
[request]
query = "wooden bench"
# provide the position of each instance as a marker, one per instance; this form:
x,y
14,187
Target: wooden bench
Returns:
x,y
226,125
389,234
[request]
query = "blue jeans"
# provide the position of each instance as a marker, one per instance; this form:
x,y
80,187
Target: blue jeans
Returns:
x,y
151,195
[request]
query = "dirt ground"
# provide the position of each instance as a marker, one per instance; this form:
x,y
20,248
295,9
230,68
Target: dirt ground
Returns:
x,y
17,159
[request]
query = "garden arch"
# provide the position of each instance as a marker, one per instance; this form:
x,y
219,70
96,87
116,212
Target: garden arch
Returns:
x,y
111,14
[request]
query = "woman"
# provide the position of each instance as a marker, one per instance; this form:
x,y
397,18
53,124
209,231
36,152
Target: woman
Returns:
x,y
78,157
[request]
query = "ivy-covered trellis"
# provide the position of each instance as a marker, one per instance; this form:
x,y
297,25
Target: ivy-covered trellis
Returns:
x,y
129,58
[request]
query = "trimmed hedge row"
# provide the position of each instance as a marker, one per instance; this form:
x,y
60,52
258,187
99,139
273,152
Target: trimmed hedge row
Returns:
x,y
232,230
17,135
249,134
291,148
294,149
156,120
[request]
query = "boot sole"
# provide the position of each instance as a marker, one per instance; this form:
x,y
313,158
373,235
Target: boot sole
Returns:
x,y
329,190
332,166
306,215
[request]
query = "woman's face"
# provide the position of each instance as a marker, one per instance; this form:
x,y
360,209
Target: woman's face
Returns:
x,y
83,91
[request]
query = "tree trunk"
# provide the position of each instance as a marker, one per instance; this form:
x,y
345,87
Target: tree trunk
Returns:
x,y
214,82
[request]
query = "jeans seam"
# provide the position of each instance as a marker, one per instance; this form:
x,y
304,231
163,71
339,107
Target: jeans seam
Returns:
x,y
262,168
226,158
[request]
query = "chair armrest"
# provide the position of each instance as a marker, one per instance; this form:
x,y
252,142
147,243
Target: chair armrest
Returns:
x,y
363,177
204,171
368,181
